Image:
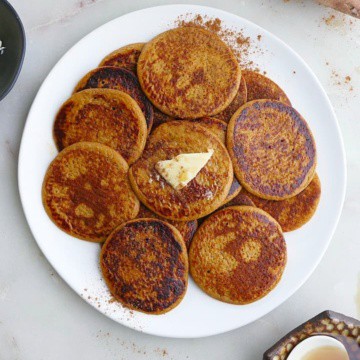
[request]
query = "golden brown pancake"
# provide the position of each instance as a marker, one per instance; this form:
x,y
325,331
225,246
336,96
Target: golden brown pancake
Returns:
x,y
206,192
160,118
292,213
239,100
241,199
186,228
86,191
188,73
238,254
126,57
272,149
106,116
111,77
218,127
145,265
261,87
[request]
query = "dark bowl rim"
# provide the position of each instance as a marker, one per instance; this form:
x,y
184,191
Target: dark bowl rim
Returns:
x,y
23,38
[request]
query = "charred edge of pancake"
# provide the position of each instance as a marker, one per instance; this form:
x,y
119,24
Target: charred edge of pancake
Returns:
x,y
234,190
169,291
60,119
125,57
302,127
192,227
241,199
127,80
160,118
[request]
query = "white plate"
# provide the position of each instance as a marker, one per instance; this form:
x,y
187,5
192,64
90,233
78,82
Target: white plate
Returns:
x,y
77,261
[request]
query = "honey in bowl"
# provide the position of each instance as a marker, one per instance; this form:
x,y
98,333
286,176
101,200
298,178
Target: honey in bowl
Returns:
x,y
326,353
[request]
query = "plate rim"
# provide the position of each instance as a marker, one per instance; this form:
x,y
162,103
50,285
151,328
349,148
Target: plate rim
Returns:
x,y
190,8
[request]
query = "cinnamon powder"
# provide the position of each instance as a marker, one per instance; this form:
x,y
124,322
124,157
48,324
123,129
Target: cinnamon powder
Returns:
x,y
242,46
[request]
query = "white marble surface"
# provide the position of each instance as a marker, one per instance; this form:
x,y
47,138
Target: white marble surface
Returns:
x,y
42,318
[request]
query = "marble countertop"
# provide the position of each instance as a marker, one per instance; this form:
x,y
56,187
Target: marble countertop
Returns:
x,y
42,318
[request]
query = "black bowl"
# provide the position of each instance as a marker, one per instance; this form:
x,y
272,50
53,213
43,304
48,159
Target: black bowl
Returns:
x,y
12,36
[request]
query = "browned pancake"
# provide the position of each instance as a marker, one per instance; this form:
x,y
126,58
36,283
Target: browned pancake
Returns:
x,y
238,254
160,118
239,100
261,87
241,199
292,213
186,228
218,127
111,77
234,190
205,193
86,191
272,149
189,73
106,116
125,57
145,265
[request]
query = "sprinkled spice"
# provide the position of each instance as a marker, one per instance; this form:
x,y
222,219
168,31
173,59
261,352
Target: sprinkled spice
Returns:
x,y
242,45
329,20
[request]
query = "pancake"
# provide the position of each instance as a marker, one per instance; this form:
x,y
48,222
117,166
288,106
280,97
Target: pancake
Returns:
x,y
86,191
261,87
160,118
272,149
109,117
239,100
242,199
234,190
189,73
145,265
126,57
291,213
218,127
186,228
239,199
111,77
205,193
238,255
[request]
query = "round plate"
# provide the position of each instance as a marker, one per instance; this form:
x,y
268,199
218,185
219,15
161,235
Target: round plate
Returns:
x,y
76,261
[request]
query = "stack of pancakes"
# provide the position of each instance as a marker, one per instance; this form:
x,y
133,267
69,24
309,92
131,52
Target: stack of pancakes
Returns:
x,y
183,92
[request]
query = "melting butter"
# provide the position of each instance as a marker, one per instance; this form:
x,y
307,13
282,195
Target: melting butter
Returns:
x,y
180,170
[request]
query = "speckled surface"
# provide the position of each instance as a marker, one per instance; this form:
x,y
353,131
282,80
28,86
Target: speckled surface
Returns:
x,y
42,318
340,327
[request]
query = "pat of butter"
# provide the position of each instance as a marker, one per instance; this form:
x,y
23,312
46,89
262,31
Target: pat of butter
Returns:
x,y
179,171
